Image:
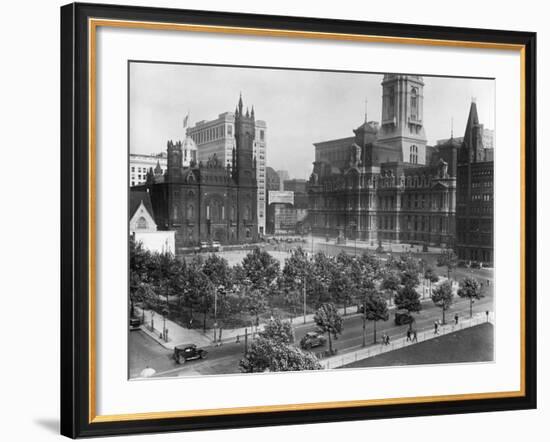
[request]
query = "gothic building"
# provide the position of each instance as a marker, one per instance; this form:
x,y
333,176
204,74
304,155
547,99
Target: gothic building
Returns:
x,y
385,182
209,201
474,205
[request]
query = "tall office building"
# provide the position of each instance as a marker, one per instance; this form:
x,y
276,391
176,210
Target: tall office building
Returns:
x,y
283,176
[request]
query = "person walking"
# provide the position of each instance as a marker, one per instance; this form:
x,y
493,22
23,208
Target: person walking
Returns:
x,y
387,339
436,328
408,335
415,337
456,319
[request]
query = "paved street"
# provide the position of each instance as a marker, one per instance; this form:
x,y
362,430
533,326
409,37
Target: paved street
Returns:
x,y
225,359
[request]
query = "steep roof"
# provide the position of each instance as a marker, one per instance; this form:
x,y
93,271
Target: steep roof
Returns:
x,y
473,122
136,198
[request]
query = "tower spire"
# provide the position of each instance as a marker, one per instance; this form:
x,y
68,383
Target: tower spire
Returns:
x,y
366,108
452,127
240,103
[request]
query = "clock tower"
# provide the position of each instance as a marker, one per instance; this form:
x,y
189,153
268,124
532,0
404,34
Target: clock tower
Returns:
x,y
402,125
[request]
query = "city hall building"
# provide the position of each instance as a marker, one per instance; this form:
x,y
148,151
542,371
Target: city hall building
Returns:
x,y
212,200
385,183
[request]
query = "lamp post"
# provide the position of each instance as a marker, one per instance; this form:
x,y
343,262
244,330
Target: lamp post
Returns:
x,y
365,321
304,289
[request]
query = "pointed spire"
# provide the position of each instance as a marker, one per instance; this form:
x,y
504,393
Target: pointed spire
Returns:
x,y
252,112
240,103
472,135
473,119
247,113
158,169
366,108
452,128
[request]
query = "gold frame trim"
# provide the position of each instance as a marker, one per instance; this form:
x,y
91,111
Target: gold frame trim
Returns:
x,y
93,24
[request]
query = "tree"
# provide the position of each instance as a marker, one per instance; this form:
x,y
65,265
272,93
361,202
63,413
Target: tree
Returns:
x,y
296,275
199,294
220,274
217,269
409,272
321,279
140,261
448,259
329,321
374,309
343,286
370,261
261,268
272,355
471,289
390,282
254,300
442,297
431,276
408,298
278,330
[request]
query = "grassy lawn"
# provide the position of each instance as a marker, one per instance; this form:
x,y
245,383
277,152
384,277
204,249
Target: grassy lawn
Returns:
x,y
473,344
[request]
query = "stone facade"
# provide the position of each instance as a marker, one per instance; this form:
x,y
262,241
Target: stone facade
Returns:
x,y
212,200
385,183
217,137
475,175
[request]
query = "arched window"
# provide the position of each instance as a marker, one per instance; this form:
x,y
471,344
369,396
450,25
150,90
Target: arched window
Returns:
x,y
175,212
413,154
141,223
190,211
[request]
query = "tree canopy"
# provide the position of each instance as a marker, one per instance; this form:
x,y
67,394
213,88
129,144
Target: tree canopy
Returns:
x,y
442,297
278,330
328,320
272,355
408,298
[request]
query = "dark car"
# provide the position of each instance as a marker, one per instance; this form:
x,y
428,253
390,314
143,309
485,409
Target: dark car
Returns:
x,y
402,316
312,339
135,323
188,352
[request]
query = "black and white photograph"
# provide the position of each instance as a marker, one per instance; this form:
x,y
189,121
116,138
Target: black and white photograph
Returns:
x,y
289,220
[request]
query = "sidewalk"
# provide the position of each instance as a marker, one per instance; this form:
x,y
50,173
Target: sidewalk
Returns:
x,y
376,349
153,326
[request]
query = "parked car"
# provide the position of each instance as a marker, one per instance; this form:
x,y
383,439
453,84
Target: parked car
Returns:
x,y
312,339
402,316
475,265
135,323
216,246
188,352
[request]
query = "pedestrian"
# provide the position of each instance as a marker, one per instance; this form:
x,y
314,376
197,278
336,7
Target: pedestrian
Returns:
x,y
408,335
436,328
383,342
456,319
387,339
415,337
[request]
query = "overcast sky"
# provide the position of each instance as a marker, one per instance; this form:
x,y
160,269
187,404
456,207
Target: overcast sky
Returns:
x,y
299,107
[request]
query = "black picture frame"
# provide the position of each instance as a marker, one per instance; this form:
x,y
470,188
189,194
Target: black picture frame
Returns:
x,y
76,249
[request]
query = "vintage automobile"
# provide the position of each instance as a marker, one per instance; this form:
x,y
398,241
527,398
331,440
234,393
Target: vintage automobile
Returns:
x,y
135,323
402,316
312,339
188,352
